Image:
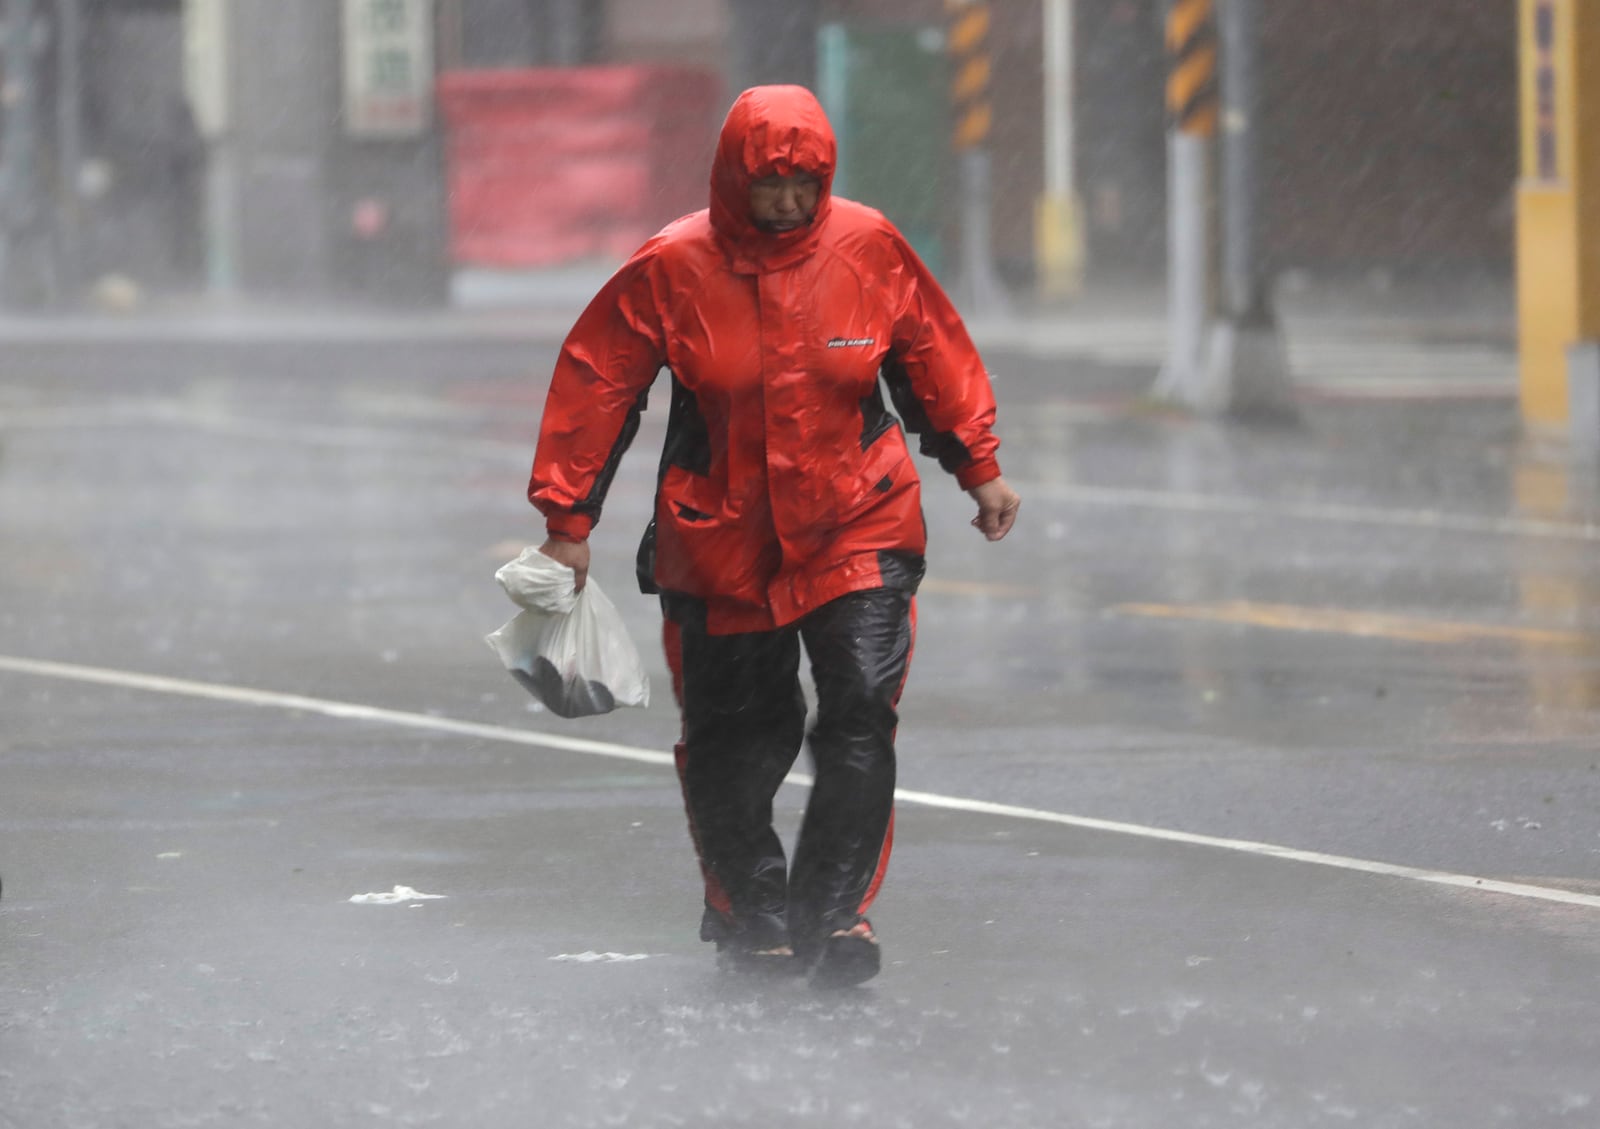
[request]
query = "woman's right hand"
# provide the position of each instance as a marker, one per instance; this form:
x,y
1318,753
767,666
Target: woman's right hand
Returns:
x,y
573,554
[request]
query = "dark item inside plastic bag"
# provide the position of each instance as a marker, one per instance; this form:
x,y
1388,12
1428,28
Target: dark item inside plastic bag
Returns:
x,y
576,697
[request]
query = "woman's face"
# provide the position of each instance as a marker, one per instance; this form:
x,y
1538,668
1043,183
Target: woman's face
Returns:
x,y
784,203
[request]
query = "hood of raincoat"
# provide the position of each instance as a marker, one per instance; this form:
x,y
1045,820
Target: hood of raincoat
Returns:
x,y
770,131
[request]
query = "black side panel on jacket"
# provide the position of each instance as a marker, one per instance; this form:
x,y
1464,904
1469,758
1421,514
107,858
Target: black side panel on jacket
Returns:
x,y
687,446
942,445
596,497
875,418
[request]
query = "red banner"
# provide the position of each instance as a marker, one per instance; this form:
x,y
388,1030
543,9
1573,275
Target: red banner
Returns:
x,y
554,165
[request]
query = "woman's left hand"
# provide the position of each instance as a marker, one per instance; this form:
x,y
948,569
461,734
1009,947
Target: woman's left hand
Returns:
x,y
997,508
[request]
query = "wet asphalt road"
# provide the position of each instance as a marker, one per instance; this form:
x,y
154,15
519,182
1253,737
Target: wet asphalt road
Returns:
x,y
1371,639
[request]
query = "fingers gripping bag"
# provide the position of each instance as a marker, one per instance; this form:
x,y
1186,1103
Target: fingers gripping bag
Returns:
x,y
569,649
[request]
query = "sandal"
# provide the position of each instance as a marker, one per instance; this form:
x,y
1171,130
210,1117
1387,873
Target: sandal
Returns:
x,y
849,957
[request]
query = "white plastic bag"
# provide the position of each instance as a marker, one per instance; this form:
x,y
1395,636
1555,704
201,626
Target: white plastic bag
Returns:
x,y
569,649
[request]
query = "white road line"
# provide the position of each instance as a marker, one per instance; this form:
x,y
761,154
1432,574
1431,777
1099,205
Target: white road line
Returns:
x,y
349,711
1247,846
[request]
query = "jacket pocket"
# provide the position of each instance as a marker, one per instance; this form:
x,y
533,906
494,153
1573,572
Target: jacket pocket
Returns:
x,y
687,496
885,466
697,551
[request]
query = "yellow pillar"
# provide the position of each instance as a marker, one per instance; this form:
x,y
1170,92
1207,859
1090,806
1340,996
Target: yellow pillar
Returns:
x,y
1558,200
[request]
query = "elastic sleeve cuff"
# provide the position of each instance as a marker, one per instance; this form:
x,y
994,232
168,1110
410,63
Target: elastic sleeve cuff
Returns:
x,y
978,472
569,527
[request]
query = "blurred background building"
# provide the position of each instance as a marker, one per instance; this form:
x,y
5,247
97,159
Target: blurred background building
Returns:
x,y
371,148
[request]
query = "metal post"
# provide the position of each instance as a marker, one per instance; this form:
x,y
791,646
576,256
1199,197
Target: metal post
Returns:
x,y
222,218
20,99
1192,124
1058,125
1058,224
1188,268
1241,45
208,81
69,138
1248,368
979,291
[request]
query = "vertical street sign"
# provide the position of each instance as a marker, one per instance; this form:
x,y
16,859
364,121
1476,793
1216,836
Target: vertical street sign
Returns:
x,y
388,67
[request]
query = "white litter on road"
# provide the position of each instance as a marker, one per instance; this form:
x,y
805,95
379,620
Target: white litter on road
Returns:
x,y
394,897
591,957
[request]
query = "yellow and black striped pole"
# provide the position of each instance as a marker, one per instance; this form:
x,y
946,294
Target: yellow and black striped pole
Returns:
x,y
972,111
1192,113
1192,93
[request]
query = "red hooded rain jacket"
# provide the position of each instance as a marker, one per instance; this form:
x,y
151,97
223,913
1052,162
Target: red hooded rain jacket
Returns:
x,y
785,482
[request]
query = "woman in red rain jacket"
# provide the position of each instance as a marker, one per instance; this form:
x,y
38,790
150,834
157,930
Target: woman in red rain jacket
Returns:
x,y
788,511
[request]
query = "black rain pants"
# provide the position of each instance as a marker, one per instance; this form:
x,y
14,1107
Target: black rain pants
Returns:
x,y
744,714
